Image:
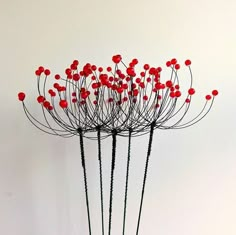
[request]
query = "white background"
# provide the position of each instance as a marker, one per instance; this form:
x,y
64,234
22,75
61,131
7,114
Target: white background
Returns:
x,y
191,188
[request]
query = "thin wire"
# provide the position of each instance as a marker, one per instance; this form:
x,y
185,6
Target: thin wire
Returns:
x,y
127,180
100,173
112,178
85,177
145,174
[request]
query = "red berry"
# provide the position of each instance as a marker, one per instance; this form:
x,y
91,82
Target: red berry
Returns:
x,y
50,108
159,69
40,99
125,98
68,71
100,69
63,104
168,63
187,62
130,72
146,66
21,96
46,104
74,100
76,77
38,73
135,61
95,102
145,98
191,91
57,76
109,69
187,100
172,94
208,97
177,93
177,66
149,79
125,86
142,74
131,64
120,90
142,85
169,83
177,87
47,72
76,62
135,92
94,67
41,69
215,92
73,66
173,61
116,59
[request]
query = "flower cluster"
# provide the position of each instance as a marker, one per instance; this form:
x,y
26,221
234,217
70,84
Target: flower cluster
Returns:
x,y
119,97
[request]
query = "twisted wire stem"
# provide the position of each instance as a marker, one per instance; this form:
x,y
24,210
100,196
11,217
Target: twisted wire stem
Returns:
x,y
100,173
145,174
127,180
85,177
114,135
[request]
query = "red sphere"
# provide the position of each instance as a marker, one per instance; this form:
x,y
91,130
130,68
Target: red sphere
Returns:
x,y
177,66
76,77
208,97
142,74
68,71
168,63
173,61
46,104
145,97
116,59
130,72
57,76
109,69
135,61
40,99
187,62
146,66
169,83
172,94
191,91
215,92
76,62
63,104
38,73
177,93
73,66
100,69
187,100
47,72
94,67
125,98
41,69
21,96
50,108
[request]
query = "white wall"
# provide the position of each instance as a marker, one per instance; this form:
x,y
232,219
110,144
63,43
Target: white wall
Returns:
x,y
191,187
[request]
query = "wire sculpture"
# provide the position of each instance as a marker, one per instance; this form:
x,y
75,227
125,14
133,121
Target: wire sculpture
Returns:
x,y
114,101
